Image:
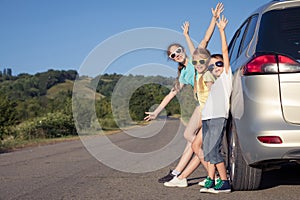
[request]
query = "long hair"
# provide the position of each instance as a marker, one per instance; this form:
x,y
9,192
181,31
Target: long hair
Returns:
x,y
180,65
206,54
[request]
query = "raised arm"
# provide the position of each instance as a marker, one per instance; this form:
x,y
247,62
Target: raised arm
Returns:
x,y
153,115
215,15
221,25
185,27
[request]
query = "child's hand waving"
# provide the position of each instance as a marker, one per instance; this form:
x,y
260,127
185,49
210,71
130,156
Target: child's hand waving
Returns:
x,y
218,10
222,23
185,27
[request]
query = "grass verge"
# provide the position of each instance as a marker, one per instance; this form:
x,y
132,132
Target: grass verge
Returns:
x,y
12,144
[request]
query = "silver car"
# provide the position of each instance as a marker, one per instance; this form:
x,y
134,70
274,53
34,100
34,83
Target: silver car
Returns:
x,y
264,129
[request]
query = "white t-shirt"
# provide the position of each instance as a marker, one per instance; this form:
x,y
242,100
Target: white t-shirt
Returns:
x,y
217,104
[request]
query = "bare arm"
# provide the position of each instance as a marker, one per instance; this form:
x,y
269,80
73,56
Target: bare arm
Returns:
x,y
221,25
185,28
163,104
209,84
215,15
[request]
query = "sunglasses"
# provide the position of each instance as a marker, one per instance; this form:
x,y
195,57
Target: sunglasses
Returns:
x,y
217,64
176,52
201,62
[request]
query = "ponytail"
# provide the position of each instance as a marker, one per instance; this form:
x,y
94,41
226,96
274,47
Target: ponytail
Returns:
x,y
177,83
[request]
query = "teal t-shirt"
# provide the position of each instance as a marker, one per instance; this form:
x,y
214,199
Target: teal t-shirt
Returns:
x,y
187,74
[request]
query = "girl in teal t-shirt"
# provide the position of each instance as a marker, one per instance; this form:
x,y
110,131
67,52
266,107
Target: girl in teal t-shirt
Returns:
x,y
187,74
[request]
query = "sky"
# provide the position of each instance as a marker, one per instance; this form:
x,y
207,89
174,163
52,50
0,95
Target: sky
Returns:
x,y
38,35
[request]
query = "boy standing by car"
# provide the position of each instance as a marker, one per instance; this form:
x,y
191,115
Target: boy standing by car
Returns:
x,y
214,118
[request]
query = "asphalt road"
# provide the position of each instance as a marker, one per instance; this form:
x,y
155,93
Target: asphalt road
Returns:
x,y
67,170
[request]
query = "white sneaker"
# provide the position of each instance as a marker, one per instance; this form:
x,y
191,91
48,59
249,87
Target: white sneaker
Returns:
x,y
202,183
176,182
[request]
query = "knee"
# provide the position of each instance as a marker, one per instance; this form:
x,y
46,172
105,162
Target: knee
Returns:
x,y
188,136
195,147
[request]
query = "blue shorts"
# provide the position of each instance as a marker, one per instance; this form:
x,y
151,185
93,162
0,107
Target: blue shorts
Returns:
x,y
213,131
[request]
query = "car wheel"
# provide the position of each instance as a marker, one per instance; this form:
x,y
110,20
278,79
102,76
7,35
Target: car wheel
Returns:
x,y
242,176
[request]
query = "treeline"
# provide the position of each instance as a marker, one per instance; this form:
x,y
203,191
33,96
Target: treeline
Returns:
x,y
40,105
125,100
130,96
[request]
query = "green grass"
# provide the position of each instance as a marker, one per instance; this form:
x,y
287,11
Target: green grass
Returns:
x,y
55,90
11,144
68,86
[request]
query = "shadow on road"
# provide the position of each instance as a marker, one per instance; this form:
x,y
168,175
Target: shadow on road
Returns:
x,y
288,175
195,180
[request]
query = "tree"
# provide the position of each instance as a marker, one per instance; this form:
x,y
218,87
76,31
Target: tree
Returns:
x,y
9,72
8,115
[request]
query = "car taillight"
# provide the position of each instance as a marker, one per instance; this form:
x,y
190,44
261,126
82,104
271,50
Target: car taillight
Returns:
x,y
287,65
270,139
267,64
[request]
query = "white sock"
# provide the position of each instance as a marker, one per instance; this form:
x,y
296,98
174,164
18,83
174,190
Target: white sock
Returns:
x,y
175,172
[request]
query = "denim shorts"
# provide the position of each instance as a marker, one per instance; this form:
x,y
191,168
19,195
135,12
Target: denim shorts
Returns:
x,y
213,131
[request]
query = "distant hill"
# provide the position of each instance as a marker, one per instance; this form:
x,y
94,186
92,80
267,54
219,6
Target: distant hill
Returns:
x,y
67,86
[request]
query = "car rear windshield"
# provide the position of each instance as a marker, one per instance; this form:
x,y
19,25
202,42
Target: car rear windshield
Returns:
x,y
279,32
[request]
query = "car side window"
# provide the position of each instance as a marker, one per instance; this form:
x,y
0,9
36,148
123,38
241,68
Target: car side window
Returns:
x,y
234,49
231,45
249,32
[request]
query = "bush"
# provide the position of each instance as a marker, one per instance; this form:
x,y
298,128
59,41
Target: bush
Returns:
x,y
50,126
108,123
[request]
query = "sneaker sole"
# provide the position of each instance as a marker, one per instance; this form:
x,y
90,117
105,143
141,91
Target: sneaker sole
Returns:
x,y
204,190
213,191
171,185
165,180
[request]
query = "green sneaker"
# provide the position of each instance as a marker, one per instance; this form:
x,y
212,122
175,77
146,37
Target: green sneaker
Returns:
x,y
202,183
218,180
221,187
209,184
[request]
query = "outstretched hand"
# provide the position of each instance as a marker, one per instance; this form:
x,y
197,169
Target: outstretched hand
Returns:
x,y
151,116
185,27
218,10
222,23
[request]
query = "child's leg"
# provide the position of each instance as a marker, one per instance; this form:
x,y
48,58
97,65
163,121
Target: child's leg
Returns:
x,y
222,170
185,158
197,144
221,166
211,170
190,132
193,125
213,144
214,156
197,148
190,168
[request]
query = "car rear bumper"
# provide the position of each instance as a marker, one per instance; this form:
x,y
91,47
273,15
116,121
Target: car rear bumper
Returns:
x,y
256,152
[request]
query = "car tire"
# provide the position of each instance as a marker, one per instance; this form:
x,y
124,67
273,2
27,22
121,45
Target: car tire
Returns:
x,y
242,176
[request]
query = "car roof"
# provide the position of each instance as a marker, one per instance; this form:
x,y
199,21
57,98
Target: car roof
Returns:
x,y
276,4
